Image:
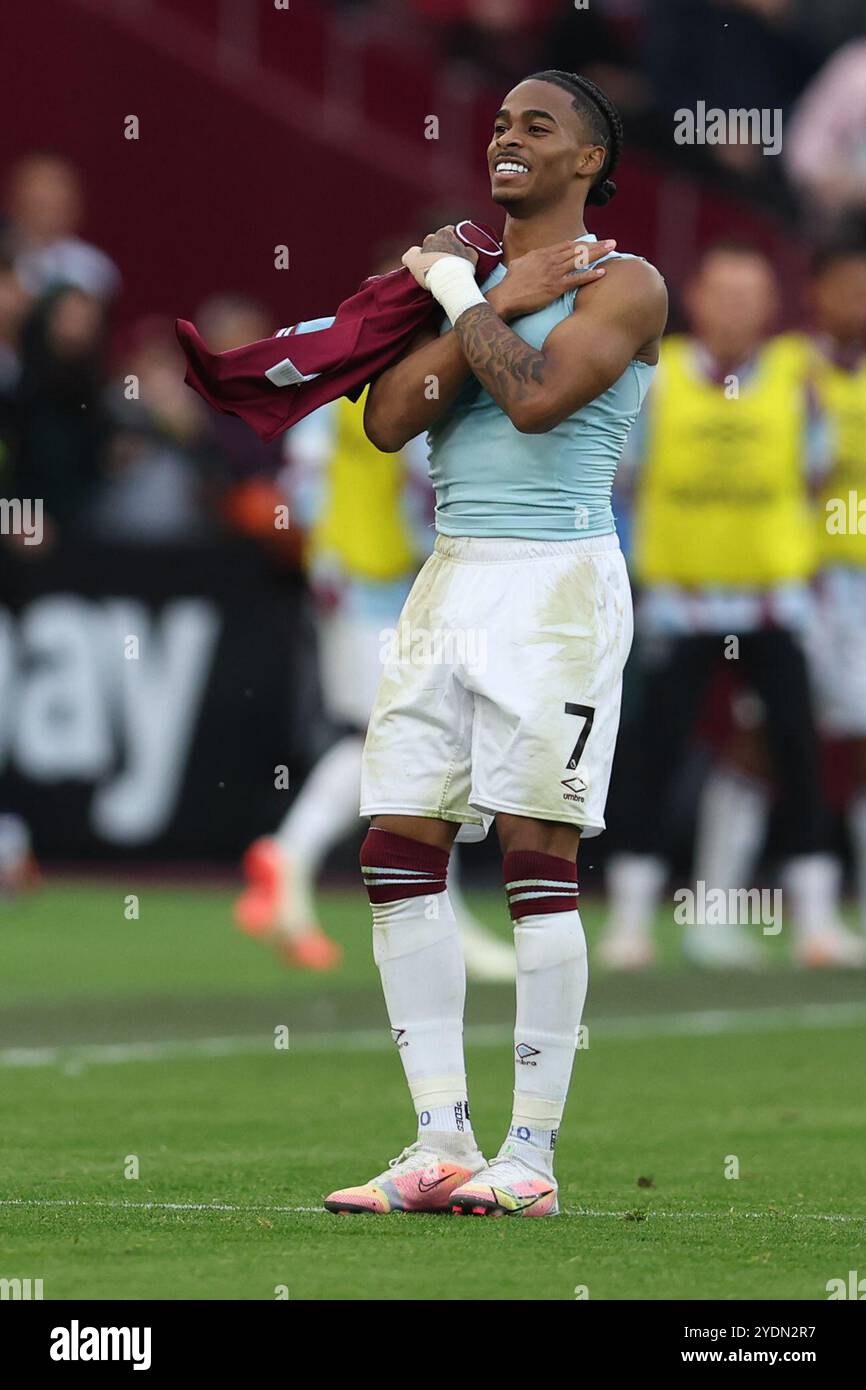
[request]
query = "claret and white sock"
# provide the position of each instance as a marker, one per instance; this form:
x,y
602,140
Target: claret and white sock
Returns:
x,y
551,988
416,946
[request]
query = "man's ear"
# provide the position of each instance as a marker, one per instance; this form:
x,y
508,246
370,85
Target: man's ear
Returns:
x,y
592,159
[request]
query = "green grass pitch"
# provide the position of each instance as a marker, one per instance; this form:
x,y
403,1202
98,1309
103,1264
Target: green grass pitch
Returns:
x,y
151,1042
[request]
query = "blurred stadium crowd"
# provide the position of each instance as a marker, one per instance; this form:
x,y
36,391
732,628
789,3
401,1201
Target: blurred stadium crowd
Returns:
x,y
154,466
654,57
96,421
119,453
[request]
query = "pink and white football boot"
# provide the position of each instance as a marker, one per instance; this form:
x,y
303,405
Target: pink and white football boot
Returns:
x,y
418,1179
507,1187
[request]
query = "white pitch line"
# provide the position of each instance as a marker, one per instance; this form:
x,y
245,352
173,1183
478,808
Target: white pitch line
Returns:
x,y
253,1208
704,1023
144,1206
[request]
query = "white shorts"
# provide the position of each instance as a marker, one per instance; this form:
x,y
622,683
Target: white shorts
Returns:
x,y
502,692
836,649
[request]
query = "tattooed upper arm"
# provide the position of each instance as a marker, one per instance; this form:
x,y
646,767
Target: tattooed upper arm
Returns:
x,y
614,320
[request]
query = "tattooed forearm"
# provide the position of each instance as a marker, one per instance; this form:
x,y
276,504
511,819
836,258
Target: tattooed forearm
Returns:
x,y
508,367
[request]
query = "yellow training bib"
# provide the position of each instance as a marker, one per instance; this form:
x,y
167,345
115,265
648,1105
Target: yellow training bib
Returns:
x,y
724,497
842,513
362,522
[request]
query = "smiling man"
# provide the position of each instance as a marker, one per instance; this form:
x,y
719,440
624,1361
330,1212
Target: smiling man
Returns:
x,y
539,374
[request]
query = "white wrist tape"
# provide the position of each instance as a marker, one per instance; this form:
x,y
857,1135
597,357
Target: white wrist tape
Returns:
x,y
452,282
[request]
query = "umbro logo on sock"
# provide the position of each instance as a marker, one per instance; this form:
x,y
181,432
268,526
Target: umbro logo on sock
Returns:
x,y
525,1053
397,1034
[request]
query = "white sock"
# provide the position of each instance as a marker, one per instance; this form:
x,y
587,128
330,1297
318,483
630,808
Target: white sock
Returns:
x,y
732,820
811,888
326,808
416,946
533,1144
552,978
634,887
445,1119
857,830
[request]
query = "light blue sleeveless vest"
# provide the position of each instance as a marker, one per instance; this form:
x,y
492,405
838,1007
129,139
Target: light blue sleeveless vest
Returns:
x,y
491,480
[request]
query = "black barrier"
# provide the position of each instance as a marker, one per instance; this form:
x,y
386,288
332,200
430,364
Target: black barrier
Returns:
x,y
147,695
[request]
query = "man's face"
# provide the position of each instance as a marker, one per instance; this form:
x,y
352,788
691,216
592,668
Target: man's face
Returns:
x,y
75,324
733,298
839,299
538,148
231,326
13,304
45,200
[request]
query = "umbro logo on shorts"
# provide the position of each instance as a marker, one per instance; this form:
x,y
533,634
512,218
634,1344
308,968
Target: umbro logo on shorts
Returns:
x,y
576,786
525,1053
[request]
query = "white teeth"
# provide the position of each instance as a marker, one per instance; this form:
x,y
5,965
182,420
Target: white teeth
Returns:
x,y
509,168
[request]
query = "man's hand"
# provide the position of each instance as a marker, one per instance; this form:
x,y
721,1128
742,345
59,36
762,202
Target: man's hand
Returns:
x,y
445,242
533,281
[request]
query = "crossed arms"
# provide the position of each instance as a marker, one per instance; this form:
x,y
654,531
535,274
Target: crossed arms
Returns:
x,y
615,319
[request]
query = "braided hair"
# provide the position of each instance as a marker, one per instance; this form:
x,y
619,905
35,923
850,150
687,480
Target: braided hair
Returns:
x,y
602,120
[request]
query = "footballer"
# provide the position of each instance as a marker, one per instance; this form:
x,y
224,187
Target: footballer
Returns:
x,y
541,371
